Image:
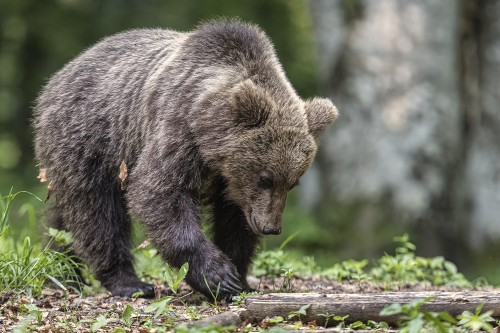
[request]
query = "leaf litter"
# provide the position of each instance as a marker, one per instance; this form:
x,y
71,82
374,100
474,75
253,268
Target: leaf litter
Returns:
x,y
60,311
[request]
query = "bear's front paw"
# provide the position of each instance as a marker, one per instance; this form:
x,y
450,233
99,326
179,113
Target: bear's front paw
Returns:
x,y
217,280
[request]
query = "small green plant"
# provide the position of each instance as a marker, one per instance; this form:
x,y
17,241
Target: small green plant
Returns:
x,y
149,264
340,319
61,237
24,326
272,263
36,312
300,312
327,317
287,275
276,320
174,276
215,295
402,267
127,315
414,319
119,330
159,306
406,267
477,321
98,323
347,270
137,294
240,299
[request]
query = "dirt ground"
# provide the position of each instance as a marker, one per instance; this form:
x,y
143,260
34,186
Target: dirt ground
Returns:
x,y
58,311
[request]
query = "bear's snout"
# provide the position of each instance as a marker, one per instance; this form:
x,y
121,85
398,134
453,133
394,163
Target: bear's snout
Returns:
x,y
264,229
271,230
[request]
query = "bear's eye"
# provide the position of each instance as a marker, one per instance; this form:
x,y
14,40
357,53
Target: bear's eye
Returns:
x,y
266,181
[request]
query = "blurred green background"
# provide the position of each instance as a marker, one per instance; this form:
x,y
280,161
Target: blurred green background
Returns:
x,y
364,189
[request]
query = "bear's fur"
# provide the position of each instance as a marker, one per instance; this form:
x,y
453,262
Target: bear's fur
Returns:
x,y
204,114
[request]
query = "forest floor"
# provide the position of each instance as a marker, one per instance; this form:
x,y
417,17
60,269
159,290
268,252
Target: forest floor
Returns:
x,y
58,311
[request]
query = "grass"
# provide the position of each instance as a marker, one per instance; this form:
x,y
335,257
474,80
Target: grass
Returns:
x,y
28,269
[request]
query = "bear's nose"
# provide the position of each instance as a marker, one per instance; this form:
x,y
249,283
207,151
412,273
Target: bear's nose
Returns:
x,y
270,230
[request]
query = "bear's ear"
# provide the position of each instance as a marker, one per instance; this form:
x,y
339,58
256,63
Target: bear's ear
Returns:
x,y
251,105
320,113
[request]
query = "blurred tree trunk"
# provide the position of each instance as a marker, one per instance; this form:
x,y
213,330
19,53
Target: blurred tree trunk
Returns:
x,y
483,168
396,153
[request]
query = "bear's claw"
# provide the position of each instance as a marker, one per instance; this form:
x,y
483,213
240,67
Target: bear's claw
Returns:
x,y
217,278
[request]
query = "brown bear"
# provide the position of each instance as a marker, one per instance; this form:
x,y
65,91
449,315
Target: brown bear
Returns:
x,y
151,124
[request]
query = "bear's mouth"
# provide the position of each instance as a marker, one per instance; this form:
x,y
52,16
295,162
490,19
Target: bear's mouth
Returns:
x,y
252,222
258,229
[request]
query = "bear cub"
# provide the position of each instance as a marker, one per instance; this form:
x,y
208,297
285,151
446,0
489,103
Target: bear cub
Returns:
x,y
154,124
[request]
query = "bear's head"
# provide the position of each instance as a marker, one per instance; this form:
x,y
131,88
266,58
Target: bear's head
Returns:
x,y
275,145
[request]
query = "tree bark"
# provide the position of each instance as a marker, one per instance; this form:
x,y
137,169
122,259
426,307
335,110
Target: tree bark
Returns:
x,y
227,318
483,168
395,152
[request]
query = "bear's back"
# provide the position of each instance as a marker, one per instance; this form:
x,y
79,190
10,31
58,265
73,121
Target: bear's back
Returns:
x,y
95,96
229,42
110,59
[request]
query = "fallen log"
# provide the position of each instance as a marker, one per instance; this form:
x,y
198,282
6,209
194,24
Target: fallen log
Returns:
x,y
364,307
224,319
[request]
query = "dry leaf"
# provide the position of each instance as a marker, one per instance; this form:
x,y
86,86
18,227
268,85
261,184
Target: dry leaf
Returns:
x,y
144,244
42,175
50,189
123,174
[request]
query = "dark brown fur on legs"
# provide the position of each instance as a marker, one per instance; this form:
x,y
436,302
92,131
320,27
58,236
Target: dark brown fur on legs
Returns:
x,y
232,234
101,227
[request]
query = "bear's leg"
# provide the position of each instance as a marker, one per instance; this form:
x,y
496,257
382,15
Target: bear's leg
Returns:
x,y
101,231
233,236
173,223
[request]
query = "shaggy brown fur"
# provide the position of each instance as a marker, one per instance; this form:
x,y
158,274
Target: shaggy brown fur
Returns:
x,y
206,113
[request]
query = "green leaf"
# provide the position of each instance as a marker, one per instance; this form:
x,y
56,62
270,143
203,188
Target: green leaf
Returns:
x,y
61,237
174,277
450,267
447,317
137,294
287,240
276,320
303,309
391,310
415,325
56,282
478,309
127,315
357,325
159,306
181,274
100,322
